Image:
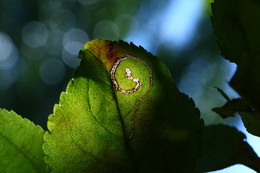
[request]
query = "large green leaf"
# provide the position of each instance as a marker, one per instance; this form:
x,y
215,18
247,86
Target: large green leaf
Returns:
x,y
224,146
20,144
122,112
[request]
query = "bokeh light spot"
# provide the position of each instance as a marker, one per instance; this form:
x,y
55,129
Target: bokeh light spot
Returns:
x,y
73,47
6,47
8,52
70,53
106,30
64,19
76,35
179,22
8,77
35,34
73,40
126,22
88,2
52,71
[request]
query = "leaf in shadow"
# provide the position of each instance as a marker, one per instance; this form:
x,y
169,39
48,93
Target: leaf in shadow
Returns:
x,y
250,117
224,146
236,25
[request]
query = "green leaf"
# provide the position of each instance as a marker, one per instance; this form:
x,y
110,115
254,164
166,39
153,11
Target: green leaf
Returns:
x,y
20,144
232,107
246,81
224,146
122,112
236,25
237,28
250,117
251,121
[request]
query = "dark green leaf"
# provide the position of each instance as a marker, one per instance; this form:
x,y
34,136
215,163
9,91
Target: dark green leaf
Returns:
x,y
232,107
250,117
224,146
237,28
251,121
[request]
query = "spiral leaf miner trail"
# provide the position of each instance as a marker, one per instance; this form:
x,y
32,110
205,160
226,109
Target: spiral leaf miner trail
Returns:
x,y
136,80
133,90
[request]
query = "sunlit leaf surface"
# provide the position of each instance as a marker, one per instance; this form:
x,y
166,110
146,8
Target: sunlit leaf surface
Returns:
x,y
20,144
122,112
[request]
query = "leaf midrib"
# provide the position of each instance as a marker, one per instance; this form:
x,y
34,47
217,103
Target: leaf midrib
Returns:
x,y
127,143
26,156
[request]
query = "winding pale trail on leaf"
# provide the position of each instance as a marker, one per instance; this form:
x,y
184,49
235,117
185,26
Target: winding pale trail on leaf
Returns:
x,y
95,119
128,74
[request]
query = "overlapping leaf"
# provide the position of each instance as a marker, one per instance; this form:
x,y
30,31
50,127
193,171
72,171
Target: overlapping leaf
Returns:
x,y
20,144
224,146
237,28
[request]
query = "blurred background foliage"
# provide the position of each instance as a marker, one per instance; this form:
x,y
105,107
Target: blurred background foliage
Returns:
x,y
40,40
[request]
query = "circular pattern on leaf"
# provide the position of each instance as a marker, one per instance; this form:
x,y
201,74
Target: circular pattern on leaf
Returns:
x,y
130,81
